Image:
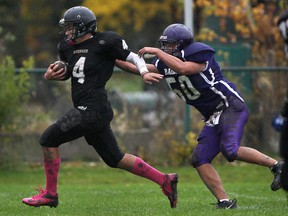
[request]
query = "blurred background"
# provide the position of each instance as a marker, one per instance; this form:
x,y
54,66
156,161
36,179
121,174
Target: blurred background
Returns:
x,y
149,120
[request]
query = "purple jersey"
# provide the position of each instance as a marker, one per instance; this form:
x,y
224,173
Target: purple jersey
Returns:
x,y
207,91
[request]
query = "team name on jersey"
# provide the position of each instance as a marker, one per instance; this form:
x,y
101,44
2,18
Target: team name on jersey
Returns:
x,y
169,71
80,51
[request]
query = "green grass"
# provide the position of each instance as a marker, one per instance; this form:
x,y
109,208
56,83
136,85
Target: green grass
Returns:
x,y
99,190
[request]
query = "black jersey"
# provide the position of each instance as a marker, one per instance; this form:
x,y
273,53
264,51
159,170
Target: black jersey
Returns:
x,y
90,66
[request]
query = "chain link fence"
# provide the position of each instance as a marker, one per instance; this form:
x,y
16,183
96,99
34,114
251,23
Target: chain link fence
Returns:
x,y
148,122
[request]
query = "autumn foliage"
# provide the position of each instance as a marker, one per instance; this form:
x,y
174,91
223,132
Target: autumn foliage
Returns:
x,y
253,23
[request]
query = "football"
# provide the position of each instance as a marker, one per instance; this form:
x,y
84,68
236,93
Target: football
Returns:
x,y
60,65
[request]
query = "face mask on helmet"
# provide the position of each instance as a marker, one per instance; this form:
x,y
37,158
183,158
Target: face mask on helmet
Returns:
x,y
72,30
168,46
175,38
77,21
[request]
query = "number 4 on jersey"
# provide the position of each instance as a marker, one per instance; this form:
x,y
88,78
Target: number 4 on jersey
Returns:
x,y
78,70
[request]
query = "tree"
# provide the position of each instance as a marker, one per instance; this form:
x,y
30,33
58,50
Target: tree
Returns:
x,y
41,30
118,14
245,21
14,92
140,22
32,27
9,10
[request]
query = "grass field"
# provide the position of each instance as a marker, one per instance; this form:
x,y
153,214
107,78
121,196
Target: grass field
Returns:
x,y
98,190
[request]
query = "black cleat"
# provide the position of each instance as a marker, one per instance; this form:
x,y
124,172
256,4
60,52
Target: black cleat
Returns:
x,y
284,176
230,204
276,170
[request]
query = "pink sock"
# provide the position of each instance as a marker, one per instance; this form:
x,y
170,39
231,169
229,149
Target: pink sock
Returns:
x,y
145,170
51,170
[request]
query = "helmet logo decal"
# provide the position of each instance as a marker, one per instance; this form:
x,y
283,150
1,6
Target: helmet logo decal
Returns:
x,y
163,37
102,42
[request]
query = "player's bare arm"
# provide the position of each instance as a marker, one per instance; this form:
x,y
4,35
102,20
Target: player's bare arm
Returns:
x,y
151,76
173,62
53,73
127,66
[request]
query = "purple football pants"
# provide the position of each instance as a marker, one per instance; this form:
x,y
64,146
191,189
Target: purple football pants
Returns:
x,y
224,137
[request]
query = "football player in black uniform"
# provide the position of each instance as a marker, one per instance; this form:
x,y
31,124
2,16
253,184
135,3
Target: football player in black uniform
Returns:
x,y
191,72
91,58
280,121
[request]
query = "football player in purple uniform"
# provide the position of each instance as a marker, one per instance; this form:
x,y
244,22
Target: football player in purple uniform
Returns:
x,y
191,71
280,121
91,58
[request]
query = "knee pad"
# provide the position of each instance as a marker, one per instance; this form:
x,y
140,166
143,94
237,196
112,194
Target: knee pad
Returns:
x,y
112,161
47,138
110,157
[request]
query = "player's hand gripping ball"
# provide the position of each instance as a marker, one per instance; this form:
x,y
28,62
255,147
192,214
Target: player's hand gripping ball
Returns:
x,y
60,65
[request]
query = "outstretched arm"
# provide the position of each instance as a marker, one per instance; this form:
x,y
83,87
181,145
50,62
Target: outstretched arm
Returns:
x,y
151,75
185,68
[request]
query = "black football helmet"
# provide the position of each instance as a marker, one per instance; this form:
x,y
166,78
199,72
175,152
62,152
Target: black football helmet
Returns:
x,y
81,19
175,38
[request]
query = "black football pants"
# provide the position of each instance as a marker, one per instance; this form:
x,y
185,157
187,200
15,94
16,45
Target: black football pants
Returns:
x,y
94,127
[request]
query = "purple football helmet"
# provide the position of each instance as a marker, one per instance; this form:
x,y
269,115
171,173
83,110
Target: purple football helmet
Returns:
x,y
175,38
